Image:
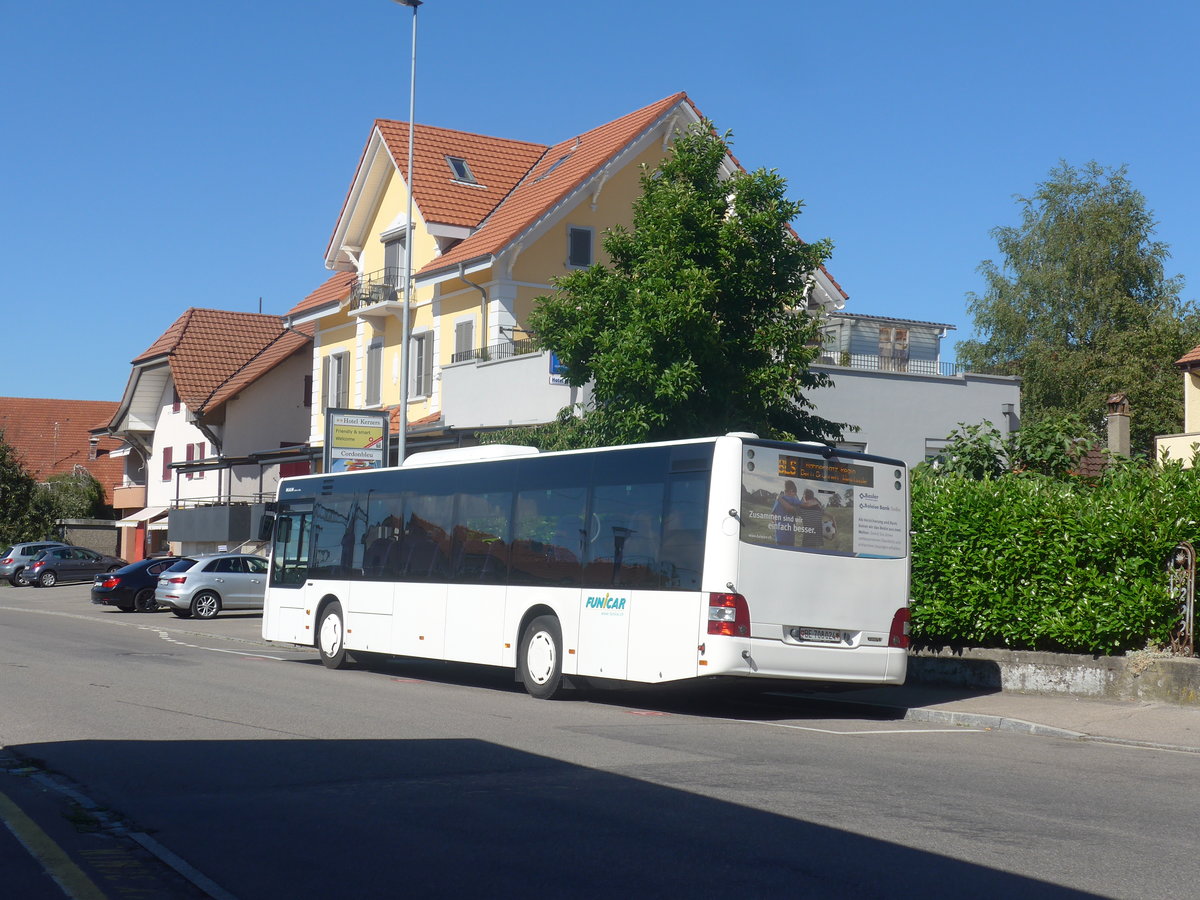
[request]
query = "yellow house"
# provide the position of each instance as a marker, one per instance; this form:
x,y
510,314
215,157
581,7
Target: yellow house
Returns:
x,y
494,221
1185,446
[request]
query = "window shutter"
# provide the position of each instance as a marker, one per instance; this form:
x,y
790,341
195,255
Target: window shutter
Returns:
x,y
374,367
168,455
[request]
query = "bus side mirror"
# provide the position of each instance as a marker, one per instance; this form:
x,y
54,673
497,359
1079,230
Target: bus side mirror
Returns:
x,y
265,526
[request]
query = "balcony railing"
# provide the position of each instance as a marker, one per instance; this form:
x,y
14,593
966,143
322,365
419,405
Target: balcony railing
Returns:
x,y
384,286
502,350
869,363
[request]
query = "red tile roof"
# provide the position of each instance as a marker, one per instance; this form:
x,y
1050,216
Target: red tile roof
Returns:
x,y
51,437
1189,359
214,353
335,289
560,171
498,165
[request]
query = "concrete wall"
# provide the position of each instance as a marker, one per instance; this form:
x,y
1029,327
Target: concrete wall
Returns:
x,y
503,392
898,413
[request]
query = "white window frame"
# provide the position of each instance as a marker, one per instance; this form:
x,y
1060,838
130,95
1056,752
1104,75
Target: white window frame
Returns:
x,y
464,326
339,396
420,368
373,386
572,263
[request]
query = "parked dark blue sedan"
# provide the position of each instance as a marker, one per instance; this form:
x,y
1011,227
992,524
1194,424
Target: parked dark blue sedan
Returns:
x,y
131,588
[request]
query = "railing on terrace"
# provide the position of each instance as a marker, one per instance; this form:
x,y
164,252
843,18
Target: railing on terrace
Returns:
x,y
502,350
223,500
871,363
386,285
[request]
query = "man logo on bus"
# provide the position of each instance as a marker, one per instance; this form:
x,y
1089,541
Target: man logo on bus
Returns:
x,y
608,601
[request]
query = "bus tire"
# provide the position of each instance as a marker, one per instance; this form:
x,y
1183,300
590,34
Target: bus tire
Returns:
x,y
541,657
331,637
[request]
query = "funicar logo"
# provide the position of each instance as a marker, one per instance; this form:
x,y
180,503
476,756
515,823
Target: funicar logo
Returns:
x,y
608,601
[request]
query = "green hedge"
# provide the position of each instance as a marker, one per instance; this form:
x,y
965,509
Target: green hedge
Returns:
x,y
1029,562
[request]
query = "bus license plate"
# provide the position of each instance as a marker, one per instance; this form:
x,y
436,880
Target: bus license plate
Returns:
x,y
820,635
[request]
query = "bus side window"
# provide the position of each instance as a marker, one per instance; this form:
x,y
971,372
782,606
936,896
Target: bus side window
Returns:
x,y
682,557
480,553
623,539
547,536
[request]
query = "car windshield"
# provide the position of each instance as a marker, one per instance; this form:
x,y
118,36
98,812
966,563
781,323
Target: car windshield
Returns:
x,y
182,566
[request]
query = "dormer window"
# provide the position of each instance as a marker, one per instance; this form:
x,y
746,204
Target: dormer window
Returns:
x,y
462,172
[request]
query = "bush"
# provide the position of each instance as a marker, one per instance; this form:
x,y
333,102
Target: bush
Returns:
x,y
1030,561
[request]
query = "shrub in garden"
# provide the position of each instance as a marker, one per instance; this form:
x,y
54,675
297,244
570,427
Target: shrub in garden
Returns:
x,y
1024,560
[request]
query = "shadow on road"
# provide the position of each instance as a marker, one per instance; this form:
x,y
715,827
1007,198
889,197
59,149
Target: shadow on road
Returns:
x,y
343,818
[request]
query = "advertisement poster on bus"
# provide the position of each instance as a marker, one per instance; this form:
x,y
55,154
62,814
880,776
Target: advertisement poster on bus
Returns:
x,y
795,501
355,439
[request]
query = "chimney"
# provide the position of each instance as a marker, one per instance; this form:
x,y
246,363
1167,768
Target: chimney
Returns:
x,y
1118,424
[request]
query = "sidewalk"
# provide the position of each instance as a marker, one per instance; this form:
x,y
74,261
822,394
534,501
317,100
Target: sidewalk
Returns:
x,y
1140,700
1134,722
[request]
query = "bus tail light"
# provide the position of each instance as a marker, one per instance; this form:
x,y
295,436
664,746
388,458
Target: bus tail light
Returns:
x,y
898,636
728,614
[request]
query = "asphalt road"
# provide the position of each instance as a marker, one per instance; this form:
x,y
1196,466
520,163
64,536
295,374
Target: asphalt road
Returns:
x,y
262,774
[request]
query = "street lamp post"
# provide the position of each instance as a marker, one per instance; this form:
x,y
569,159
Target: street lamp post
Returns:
x,y
402,438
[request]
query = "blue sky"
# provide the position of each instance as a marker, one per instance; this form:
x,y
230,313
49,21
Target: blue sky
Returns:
x,y
161,155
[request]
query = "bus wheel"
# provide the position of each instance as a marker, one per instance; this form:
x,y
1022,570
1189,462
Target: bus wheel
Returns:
x,y
331,633
541,657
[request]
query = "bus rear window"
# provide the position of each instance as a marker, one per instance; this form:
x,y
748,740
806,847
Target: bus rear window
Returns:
x,y
806,502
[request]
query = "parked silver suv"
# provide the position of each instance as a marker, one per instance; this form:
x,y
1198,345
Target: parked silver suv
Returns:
x,y
15,560
202,586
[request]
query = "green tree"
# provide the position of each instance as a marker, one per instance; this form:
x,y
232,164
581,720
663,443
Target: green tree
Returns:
x,y
1081,307
77,495
25,511
699,324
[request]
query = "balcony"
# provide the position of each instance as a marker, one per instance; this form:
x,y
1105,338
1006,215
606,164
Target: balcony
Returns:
x,y
898,364
502,350
378,293
129,496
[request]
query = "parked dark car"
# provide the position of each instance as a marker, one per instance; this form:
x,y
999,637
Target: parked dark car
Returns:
x,y
15,559
132,588
69,564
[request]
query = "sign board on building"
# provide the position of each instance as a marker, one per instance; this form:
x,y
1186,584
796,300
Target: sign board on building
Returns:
x,y
355,439
558,372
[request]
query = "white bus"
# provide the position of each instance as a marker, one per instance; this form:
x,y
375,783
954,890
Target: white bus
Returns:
x,y
726,556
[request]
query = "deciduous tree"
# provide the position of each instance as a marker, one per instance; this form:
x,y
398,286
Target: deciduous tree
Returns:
x,y
698,326
1080,305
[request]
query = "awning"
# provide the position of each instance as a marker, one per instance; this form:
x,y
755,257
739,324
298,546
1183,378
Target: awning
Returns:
x,y
160,525
120,451
143,515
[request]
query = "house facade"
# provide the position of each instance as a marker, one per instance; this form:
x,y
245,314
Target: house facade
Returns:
x,y
1184,447
211,412
494,222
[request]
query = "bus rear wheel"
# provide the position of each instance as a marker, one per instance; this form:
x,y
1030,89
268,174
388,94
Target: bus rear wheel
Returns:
x,y
541,657
331,637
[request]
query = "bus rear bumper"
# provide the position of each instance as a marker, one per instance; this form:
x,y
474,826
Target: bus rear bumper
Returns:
x,y
774,659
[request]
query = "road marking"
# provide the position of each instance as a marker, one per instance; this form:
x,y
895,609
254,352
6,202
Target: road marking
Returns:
x,y
53,859
858,733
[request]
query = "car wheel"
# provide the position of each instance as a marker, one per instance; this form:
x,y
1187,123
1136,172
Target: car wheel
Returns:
x,y
18,579
182,613
541,657
206,605
47,579
112,569
331,637
143,601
